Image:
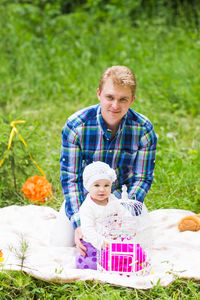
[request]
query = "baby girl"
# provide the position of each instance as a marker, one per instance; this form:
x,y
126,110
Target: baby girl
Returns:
x,y
97,180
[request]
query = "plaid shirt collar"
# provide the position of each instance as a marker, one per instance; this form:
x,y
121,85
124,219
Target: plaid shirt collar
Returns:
x,y
107,132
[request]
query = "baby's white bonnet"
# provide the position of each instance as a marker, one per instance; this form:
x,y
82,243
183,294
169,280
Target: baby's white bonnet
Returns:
x,y
96,171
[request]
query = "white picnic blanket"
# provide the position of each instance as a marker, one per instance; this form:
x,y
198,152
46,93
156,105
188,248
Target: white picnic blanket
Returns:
x,y
174,253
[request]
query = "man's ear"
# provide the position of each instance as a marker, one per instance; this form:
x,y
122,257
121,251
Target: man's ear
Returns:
x,y
133,99
98,93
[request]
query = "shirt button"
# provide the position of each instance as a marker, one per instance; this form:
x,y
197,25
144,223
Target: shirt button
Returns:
x,y
110,151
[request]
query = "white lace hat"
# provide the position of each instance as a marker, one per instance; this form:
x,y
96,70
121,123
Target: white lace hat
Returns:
x,y
96,171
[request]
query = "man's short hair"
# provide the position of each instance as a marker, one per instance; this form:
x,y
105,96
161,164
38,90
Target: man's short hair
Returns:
x,y
120,75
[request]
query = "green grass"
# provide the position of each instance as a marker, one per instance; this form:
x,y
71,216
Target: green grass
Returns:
x,y
21,286
50,68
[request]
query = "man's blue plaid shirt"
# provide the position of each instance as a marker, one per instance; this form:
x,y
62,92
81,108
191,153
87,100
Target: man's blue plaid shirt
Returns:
x,y
131,153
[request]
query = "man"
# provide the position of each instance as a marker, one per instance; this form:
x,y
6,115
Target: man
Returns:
x,y
110,132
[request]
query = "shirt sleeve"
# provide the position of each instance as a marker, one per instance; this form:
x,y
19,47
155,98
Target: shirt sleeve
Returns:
x,y
71,174
144,164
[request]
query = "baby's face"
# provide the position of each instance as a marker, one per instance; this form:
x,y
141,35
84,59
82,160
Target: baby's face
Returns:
x,y
100,190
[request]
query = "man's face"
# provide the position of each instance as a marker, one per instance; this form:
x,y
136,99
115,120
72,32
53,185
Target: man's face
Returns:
x,y
115,101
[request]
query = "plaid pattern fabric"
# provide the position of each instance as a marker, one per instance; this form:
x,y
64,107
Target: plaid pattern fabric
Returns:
x,y
131,153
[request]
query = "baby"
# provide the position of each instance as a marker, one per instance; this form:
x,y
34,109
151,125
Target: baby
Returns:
x,y
97,180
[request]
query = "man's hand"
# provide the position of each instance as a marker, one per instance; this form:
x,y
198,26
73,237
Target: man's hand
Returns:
x,y
78,237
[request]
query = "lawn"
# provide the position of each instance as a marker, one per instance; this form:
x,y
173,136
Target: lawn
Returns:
x,y
50,67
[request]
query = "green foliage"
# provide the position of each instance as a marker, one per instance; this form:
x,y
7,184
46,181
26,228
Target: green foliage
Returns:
x,y
17,165
21,252
21,286
168,12
50,65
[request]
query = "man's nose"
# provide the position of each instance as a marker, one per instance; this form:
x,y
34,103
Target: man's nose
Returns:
x,y
115,104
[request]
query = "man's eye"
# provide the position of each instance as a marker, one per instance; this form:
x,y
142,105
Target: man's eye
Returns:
x,y
123,99
107,185
110,97
96,185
